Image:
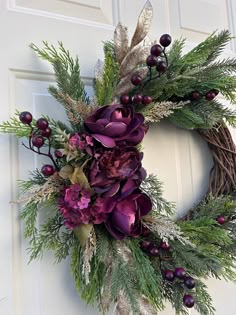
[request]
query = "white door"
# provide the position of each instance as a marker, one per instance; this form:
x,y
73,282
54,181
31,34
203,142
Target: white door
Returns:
x,y
180,159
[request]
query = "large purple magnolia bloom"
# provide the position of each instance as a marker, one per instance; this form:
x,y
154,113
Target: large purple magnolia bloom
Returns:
x,y
116,170
116,125
124,220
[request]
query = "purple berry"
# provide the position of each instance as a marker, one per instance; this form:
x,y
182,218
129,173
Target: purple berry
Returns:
x,y
37,141
188,300
216,92
189,282
47,170
165,40
151,61
136,79
153,250
210,96
42,123
145,245
156,50
169,275
46,132
137,98
161,66
220,219
125,99
195,95
26,118
58,154
165,246
180,273
146,100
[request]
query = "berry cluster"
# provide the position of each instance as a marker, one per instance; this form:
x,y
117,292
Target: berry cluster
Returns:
x,y
153,249
209,96
157,57
180,274
125,99
39,137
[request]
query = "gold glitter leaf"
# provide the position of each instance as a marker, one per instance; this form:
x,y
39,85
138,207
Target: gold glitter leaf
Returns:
x,y
143,25
121,42
134,58
125,85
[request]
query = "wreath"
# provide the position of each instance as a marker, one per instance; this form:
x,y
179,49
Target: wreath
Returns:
x,y
105,212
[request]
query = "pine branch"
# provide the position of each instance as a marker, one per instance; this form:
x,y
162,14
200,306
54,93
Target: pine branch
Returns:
x,y
104,87
66,69
153,188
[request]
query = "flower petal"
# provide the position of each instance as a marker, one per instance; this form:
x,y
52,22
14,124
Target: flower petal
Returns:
x,y
105,141
114,129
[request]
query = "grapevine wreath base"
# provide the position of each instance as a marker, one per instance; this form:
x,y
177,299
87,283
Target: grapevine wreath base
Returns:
x,y
106,212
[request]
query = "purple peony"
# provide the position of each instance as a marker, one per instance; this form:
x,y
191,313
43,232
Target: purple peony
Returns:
x,y
116,125
76,208
124,220
81,142
116,170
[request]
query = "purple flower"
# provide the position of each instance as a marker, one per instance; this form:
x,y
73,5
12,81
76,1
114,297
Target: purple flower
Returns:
x,y
76,207
81,142
116,125
116,170
124,220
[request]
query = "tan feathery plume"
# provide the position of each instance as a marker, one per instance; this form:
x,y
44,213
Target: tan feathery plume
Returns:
x,y
165,228
78,110
89,252
157,111
40,193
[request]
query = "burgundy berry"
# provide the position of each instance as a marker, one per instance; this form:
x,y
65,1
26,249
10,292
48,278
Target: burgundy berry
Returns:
x,y
161,66
165,40
169,275
137,98
46,132
153,250
145,231
188,300
145,245
26,118
195,95
189,282
165,246
156,50
58,154
42,123
37,141
146,100
136,79
215,91
125,99
151,61
210,96
220,219
47,170
180,273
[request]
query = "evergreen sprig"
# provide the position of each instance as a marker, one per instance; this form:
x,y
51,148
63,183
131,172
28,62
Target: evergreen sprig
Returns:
x,y
105,85
66,70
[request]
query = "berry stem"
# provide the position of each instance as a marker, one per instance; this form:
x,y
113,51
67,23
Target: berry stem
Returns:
x,y
49,155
